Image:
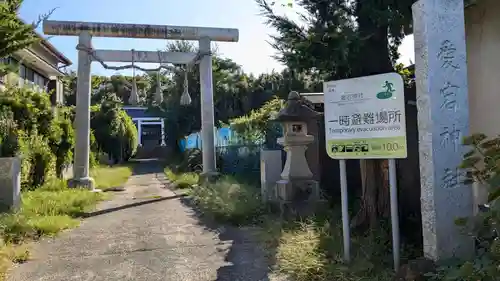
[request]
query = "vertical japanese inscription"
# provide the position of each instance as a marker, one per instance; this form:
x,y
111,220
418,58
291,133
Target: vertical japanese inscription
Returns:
x,y
450,134
451,178
447,54
449,94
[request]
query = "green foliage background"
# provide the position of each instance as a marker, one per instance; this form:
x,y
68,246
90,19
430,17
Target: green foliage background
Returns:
x,y
30,129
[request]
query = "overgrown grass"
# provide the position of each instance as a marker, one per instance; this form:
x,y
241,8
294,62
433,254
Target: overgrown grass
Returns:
x,y
10,254
229,201
312,250
44,211
182,180
107,177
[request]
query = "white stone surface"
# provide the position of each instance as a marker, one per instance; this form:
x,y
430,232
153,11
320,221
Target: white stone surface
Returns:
x,y
10,183
271,164
207,109
443,119
81,168
150,31
296,166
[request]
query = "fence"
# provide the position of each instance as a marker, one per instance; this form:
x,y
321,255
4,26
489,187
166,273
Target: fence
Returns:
x,y
238,158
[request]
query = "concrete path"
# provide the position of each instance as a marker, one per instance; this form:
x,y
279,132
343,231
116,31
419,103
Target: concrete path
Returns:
x,y
146,233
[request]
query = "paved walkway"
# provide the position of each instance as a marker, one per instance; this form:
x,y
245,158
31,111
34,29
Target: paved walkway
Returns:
x,y
146,233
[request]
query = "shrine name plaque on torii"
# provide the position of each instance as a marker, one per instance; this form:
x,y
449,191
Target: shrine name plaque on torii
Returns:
x,y
86,55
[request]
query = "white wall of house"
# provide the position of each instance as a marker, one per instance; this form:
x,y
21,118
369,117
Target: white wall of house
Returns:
x,y
483,62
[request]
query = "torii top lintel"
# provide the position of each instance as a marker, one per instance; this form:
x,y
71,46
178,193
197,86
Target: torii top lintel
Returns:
x,y
101,29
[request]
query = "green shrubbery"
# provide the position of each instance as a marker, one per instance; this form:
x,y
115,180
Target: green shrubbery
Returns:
x,y
114,131
191,161
255,126
44,138
29,128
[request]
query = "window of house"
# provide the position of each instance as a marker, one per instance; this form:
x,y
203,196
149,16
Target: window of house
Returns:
x,y
8,60
40,80
22,71
30,74
26,73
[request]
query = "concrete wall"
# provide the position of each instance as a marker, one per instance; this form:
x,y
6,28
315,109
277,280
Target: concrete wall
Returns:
x,y
483,61
10,183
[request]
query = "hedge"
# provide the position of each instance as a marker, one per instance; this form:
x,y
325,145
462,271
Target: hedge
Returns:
x,y
44,138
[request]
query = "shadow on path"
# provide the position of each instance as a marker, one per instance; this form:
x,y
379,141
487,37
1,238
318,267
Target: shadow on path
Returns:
x,y
247,257
135,204
147,166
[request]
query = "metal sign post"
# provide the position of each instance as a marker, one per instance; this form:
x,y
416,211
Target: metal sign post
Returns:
x,y
365,119
345,211
394,213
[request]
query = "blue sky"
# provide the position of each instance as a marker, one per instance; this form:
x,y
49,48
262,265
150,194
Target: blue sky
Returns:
x,y
252,51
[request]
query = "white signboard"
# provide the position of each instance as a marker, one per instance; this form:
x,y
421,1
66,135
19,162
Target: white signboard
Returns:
x,y
365,117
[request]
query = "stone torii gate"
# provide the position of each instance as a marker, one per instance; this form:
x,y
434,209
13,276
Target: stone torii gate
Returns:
x,y
86,55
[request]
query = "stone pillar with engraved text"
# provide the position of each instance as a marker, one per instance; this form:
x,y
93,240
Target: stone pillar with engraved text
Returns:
x,y
443,120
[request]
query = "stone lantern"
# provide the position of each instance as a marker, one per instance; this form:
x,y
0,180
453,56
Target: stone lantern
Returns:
x,y
296,191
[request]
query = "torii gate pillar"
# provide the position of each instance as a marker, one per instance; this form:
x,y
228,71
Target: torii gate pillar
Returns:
x,y
207,110
81,166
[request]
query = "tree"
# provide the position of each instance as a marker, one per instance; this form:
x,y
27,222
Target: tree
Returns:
x,y
233,94
114,131
343,39
15,34
69,87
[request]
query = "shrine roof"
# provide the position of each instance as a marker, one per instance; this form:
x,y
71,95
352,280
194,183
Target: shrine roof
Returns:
x,y
139,112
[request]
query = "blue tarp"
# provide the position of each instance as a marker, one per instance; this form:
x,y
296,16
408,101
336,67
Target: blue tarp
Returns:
x,y
222,137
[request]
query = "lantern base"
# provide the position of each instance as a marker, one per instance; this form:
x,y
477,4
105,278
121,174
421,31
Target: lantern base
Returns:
x,y
208,177
296,198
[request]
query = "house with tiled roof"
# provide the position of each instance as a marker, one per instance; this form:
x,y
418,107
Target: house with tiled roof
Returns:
x,y
39,67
